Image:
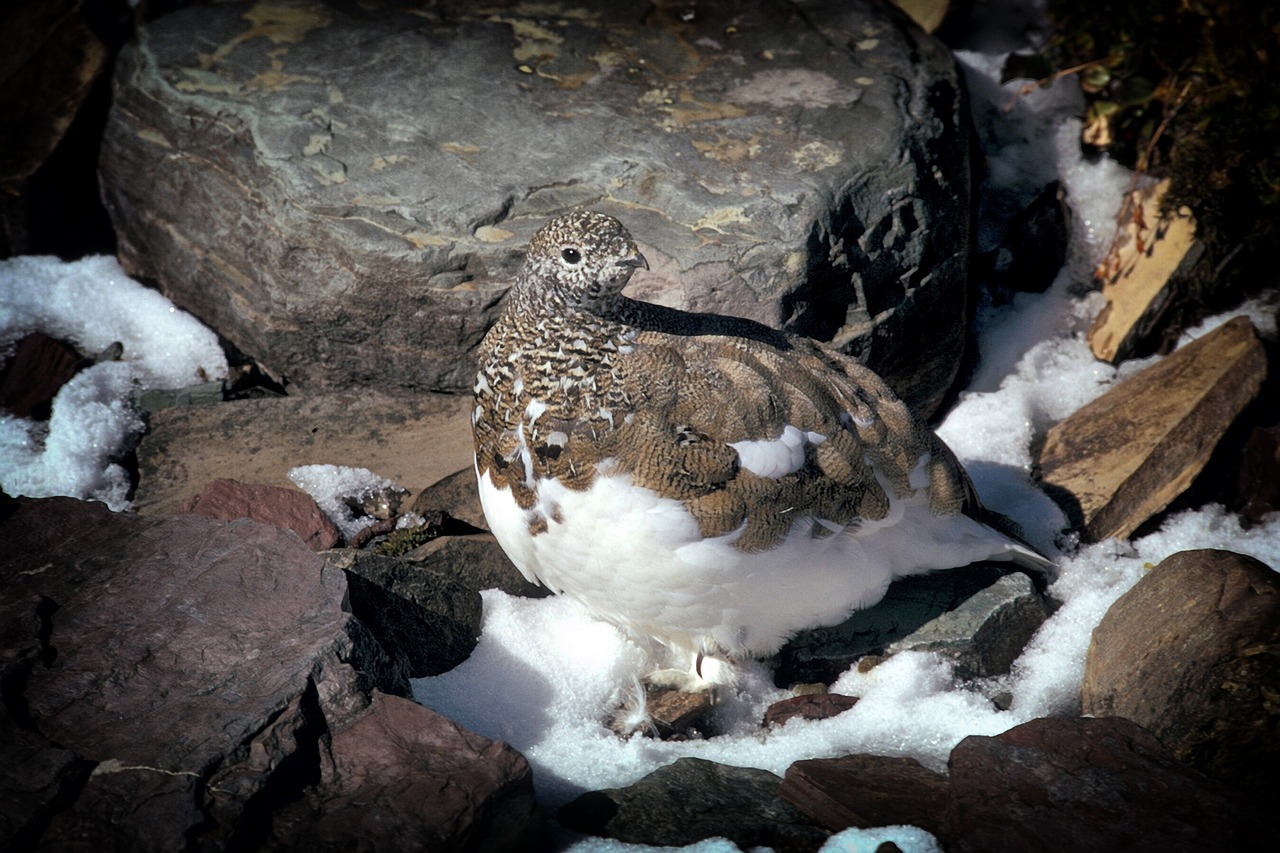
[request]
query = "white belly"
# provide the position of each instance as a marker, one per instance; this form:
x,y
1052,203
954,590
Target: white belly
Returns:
x,y
638,560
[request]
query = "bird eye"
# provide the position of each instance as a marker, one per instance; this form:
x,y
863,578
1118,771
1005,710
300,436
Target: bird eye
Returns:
x,y
570,255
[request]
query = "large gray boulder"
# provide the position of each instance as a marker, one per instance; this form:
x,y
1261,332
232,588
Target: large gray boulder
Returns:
x,y
346,192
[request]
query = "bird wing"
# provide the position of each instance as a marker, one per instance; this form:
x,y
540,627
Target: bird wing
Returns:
x,y
748,433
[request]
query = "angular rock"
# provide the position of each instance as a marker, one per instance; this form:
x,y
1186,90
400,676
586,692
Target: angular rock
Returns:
x,y
692,799
413,440
346,192
31,377
477,562
1072,784
865,791
429,619
809,706
1140,276
402,777
156,651
455,494
1122,458
822,654
286,508
1192,654
985,634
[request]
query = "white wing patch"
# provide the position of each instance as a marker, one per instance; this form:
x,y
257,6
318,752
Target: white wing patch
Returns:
x,y
776,457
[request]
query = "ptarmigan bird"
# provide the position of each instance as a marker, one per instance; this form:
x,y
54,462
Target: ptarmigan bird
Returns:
x,y
701,480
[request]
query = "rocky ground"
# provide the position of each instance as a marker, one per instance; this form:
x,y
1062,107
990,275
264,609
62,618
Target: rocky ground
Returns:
x,y
219,669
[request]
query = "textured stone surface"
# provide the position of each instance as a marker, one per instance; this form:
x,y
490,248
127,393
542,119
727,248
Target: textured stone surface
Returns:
x,y
172,684
402,777
692,799
413,440
985,634
287,508
1153,255
33,373
429,618
346,195
1192,654
1124,457
476,561
1088,784
822,654
866,791
809,706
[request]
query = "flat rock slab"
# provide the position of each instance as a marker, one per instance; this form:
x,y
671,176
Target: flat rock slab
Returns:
x,y
1123,458
1192,654
288,508
413,440
1062,785
346,193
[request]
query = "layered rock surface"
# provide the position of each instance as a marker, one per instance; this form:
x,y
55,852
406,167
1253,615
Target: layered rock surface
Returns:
x,y
172,684
345,194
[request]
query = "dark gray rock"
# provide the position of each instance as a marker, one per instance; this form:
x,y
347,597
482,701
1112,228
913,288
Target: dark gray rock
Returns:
x,y
476,561
345,194
865,791
173,684
1192,654
985,634
822,654
1089,784
429,619
692,799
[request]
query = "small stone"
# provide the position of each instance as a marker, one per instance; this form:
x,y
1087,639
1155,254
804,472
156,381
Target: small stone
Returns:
x,y
1121,459
675,714
812,706
865,791
287,508
33,374
1192,653
455,494
692,799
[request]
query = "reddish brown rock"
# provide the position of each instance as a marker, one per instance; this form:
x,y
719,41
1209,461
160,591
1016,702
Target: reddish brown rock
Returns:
x,y
811,706
402,777
1074,784
33,374
1121,459
172,683
1192,654
287,508
865,791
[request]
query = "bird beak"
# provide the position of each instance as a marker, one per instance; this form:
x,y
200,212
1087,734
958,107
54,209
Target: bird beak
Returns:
x,y
636,260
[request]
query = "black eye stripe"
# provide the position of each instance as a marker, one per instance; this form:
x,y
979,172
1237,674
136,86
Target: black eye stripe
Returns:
x,y
571,255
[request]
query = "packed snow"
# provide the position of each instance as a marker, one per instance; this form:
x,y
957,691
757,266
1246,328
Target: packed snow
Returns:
x,y
545,674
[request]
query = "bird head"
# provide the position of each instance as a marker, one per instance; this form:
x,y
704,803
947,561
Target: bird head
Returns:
x,y
582,259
